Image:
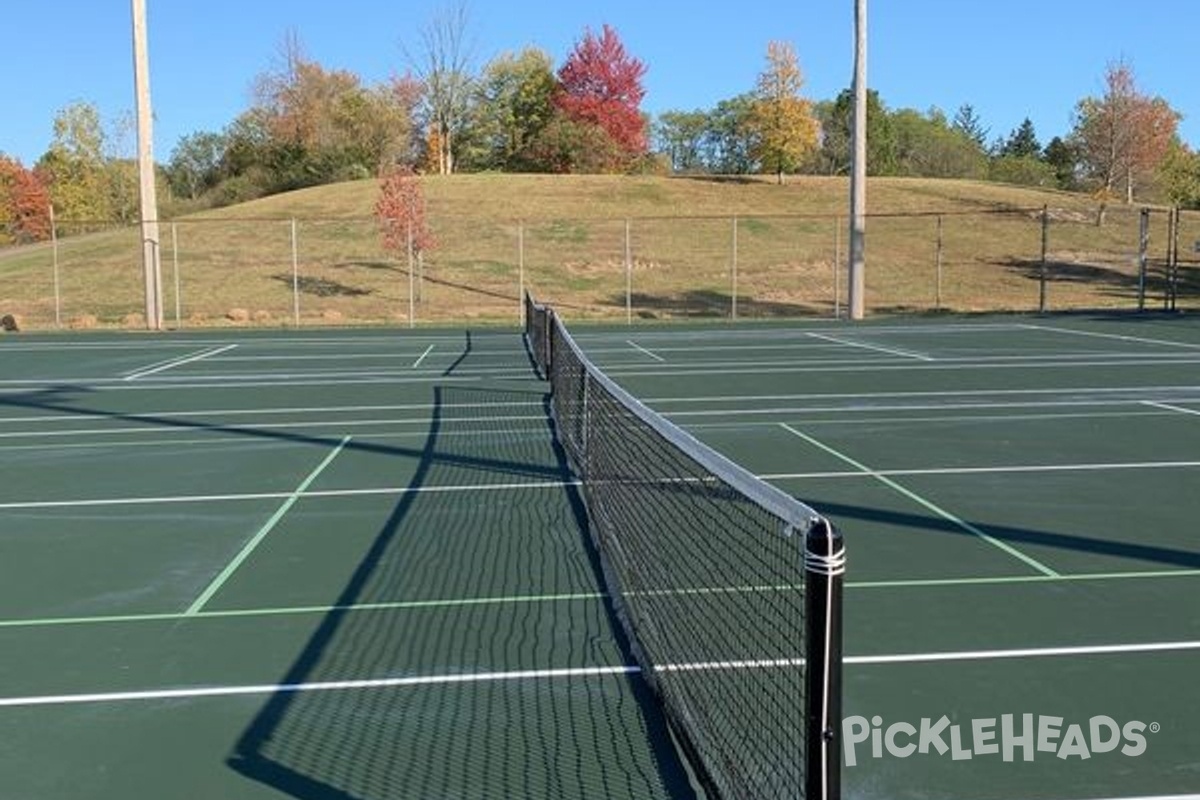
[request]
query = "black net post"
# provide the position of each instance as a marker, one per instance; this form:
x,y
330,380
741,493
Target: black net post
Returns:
x,y
824,571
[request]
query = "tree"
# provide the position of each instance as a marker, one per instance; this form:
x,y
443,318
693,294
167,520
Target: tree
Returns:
x,y
1018,159
195,163
566,145
309,125
514,103
1179,175
74,166
726,146
681,136
967,122
400,209
1063,159
783,122
24,204
836,119
601,85
444,71
926,146
1021,143
1123,136
1022,170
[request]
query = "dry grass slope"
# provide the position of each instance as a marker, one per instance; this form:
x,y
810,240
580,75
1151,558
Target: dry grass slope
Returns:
x,y
601,246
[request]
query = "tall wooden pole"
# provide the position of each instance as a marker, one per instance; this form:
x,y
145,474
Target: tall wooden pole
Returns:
x,y
858,171
149,200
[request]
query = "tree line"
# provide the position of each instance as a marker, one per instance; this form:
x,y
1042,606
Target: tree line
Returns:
x,y
308,124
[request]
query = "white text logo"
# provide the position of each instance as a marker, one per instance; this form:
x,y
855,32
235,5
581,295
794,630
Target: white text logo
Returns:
x,y
1009,737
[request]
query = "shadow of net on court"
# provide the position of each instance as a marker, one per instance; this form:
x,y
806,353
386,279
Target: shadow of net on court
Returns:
x,y
480,569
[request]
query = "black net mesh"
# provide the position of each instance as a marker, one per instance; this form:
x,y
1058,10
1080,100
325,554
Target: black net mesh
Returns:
x,y
705,563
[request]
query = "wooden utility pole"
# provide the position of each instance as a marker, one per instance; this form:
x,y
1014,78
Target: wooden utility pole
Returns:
x,y
149,199
858,166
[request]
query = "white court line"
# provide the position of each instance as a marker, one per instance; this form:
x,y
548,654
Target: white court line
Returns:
x,y
1117,336
859,472
250,428
162,366
451,679
871,365
1026,652
400,605
864,409
534,433
725,333
422,357
316,686
1018,469
1170,407
1131,391
891,351
259,379
926,504
244,553
249,496
278,411
643,350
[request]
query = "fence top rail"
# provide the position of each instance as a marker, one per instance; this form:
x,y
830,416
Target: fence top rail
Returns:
x,y
204,220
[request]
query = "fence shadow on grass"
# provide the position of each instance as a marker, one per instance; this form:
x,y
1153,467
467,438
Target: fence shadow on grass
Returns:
x,y
321,287
705,303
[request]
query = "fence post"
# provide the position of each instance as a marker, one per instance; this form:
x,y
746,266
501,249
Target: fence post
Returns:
x,y
175,266
938,261
295,277
54,259
412,306
521,270
733,308
1143,256
1042,268
1173,266
837,270
628,276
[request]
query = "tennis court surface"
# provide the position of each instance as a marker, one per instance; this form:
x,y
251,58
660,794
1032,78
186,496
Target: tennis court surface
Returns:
x,y
354,564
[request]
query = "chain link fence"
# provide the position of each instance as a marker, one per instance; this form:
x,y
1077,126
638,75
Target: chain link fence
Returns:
x,y
311,272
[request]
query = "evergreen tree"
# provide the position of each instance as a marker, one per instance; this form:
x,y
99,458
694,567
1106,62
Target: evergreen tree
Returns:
x,y
967,122
1022,142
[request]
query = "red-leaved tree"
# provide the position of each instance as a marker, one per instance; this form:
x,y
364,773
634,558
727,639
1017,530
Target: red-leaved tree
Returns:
x,y
600,84
400,210
24,204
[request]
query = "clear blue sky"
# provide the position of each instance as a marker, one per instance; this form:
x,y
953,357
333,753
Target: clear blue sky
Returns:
x,y
1009,60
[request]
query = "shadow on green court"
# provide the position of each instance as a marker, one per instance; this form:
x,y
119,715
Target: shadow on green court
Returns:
x,y
530,738
592,737
1122,548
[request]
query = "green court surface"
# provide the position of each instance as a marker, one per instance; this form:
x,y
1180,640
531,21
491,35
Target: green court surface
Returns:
x,y
353,564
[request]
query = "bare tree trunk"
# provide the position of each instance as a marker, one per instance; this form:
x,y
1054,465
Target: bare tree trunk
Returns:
x,y
444,68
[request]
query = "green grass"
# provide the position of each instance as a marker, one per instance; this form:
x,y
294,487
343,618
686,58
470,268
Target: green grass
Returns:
x,y
238,263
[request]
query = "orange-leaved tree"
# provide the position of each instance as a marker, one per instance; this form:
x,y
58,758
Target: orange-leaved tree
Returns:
x,y
1125,135
24,204
400,209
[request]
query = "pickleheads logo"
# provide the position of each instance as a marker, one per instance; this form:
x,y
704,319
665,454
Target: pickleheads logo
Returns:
x,y
1005,737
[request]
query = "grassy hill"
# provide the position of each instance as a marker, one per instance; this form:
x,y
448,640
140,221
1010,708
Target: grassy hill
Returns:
x,y
669,247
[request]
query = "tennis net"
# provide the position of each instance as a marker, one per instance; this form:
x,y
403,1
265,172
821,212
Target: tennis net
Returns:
x,y
729,589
